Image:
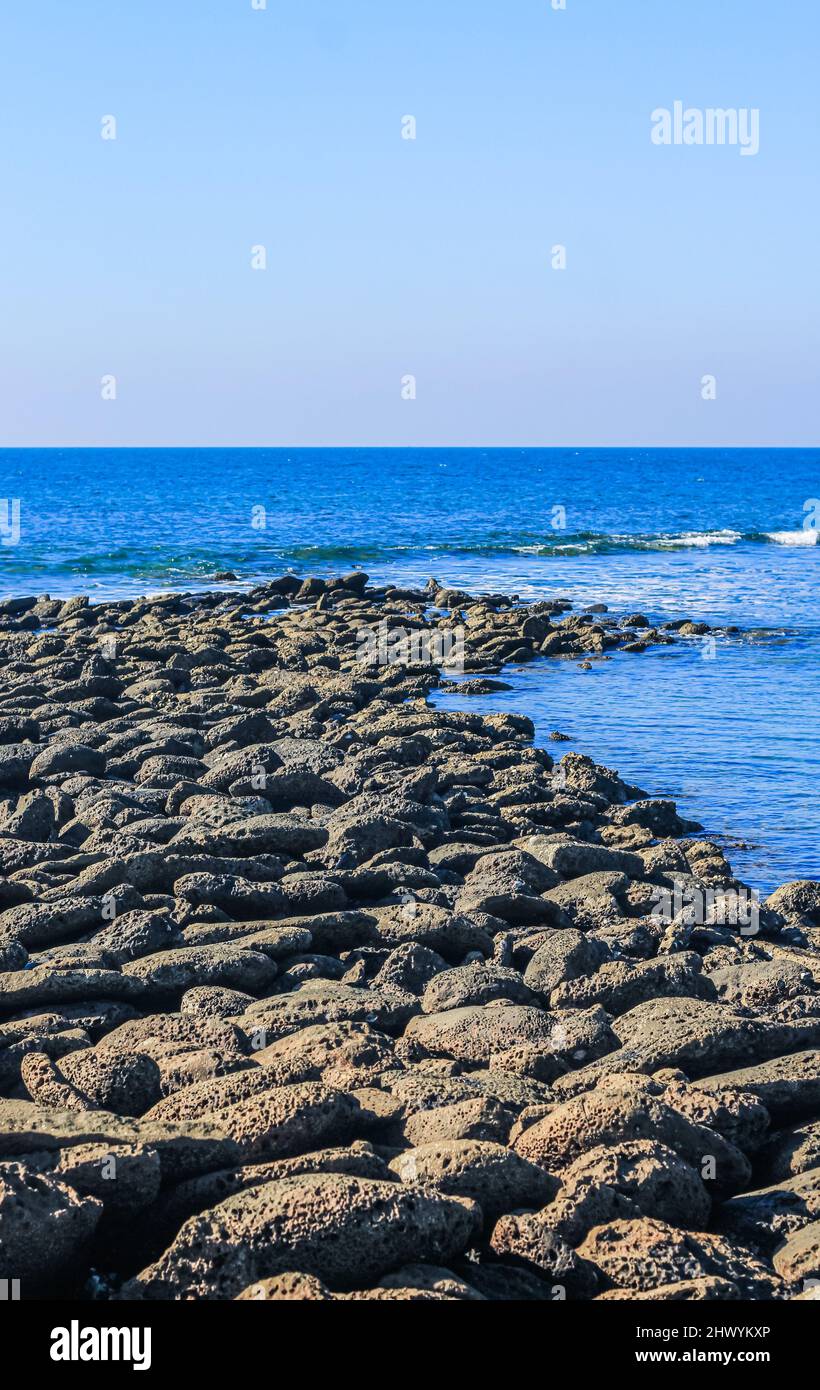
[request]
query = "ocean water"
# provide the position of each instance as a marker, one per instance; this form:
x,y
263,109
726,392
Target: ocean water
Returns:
x,y
727,536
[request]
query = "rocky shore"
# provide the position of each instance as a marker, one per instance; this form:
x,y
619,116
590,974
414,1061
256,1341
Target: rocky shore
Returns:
x,y
312,990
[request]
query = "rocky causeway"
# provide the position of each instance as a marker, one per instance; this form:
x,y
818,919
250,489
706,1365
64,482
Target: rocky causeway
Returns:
x,y
310,989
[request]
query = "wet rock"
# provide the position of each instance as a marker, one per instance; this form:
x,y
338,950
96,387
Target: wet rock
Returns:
x,y
797,902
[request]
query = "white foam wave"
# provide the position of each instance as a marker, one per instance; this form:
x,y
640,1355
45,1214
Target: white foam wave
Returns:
x,y
700,538
806,536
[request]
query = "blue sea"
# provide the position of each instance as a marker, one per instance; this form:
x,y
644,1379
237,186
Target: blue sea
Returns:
x,y
725,536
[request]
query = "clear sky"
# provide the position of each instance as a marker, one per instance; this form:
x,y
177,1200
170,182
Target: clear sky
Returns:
x,y
387,257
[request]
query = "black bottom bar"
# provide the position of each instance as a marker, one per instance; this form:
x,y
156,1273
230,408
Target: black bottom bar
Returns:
x,y
642,1338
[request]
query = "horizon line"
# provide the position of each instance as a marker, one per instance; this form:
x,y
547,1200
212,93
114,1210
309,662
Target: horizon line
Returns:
x,y
402,448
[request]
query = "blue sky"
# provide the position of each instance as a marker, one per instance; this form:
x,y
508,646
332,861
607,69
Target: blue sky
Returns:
x,y
282,127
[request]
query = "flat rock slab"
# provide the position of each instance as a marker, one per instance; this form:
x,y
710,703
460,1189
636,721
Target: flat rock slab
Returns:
x,y
611,1116
799,1258
291,1120
254,835
474,1034
174,971
341,1229
789,1087
489,1174
766,1216
699,1036
644,1255
271,1019
22,989
183,1150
